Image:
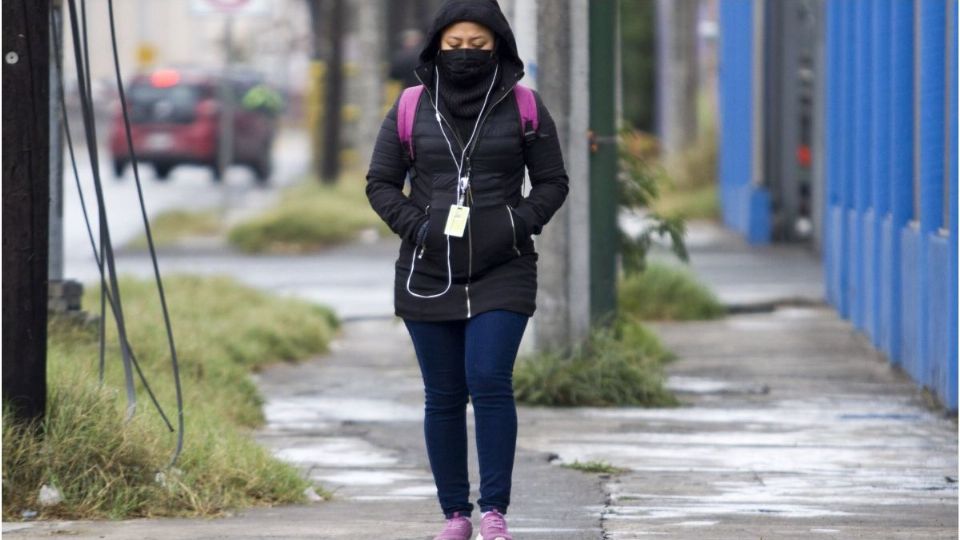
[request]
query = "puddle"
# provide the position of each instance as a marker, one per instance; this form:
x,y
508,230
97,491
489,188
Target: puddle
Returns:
x,y
296,412
545,530
378,498
628,513
337,452
696,385
366,478
782,414
416,491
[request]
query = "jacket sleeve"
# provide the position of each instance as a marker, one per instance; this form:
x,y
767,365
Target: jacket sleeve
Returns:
x,y
385,178
548,177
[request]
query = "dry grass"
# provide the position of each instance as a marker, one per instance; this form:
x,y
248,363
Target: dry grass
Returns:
x,y
106,468
310,216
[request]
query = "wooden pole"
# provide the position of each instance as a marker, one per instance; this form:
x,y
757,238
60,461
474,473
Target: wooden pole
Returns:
x,y
26,204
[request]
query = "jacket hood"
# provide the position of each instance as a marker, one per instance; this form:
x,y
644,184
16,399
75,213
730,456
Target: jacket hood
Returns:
x,y
485,12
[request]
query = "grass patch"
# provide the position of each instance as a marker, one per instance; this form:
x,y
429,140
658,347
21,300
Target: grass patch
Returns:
x,y
106,468
699,202
310,216
667,293
621,365
595,467
169,228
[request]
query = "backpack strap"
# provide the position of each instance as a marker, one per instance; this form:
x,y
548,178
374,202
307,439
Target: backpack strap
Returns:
x,y
529,115
406,112
410,98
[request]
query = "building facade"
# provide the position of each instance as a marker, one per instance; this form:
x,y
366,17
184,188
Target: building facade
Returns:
x,y
838,127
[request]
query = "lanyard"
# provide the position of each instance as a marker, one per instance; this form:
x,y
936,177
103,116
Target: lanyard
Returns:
x,y
463,180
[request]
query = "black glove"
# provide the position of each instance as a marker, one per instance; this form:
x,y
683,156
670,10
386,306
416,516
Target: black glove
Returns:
x,y
520,228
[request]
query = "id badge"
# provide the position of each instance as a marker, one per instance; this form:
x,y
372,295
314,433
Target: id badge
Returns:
x,y
457,221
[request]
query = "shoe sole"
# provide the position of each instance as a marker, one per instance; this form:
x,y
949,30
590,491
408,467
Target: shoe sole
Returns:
x,y
480,537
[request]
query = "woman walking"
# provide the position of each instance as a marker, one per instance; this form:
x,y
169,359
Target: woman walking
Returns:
x,y
466,276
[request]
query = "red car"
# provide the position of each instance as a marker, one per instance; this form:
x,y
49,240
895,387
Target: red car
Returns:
x,y
175,119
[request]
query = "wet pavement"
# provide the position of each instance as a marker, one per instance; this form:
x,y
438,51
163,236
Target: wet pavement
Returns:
x,y
353,422
791,425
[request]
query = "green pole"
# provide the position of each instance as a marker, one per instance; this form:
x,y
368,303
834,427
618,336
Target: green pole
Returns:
x,y
603,160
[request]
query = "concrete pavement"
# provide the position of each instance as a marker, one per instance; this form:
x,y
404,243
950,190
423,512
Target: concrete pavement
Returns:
x,y
791,427
352,421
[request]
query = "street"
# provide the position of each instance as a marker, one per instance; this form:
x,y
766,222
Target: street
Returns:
x,y
188,188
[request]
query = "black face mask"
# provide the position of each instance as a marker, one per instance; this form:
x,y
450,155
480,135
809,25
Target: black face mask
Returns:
x,y
466,66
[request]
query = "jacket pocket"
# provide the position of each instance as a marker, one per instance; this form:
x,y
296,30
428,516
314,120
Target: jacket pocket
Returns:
x,y
513,229
492,237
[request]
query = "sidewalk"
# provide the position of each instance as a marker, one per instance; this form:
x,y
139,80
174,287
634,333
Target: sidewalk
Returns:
x,y
792,427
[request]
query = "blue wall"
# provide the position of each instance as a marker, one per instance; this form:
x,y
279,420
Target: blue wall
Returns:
x,y
746,206
890,166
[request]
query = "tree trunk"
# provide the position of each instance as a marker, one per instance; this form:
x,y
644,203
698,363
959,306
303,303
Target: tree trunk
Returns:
x,y
333,102
371,34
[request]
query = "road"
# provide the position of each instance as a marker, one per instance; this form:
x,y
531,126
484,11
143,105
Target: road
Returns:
x,y
188,188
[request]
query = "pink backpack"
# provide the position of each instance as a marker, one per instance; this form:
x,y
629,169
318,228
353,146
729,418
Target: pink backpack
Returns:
x,y
407,111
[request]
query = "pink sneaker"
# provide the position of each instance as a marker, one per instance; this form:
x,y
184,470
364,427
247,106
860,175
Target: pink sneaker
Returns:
x,y
493,527
457,528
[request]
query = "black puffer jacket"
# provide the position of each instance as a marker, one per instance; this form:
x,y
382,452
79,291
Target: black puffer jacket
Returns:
x,y
493,265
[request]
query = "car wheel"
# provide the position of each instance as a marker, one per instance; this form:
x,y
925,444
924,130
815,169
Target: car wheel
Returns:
x,y
118,166
263,169
216,171
162,171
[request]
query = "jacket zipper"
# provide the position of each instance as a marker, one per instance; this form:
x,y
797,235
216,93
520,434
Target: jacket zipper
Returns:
x,y
513,228
470,192
466,288
483,121
423,246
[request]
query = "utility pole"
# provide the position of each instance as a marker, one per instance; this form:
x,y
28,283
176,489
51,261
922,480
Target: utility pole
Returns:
x,y
26,204
333,102
677,74
563,301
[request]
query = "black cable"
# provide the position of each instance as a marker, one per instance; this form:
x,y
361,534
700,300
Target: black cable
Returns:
x,y
58,46
150,245
99,259
103,283
106,245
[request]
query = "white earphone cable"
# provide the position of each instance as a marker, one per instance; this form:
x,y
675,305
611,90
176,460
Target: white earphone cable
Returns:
x,y
463,183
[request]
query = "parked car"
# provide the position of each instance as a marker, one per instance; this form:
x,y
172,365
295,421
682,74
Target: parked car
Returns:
x,y
175,120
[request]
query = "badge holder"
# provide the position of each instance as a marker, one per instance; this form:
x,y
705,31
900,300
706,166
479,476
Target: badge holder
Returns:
x,y
459,214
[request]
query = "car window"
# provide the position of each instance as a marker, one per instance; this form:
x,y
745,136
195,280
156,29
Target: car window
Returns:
x,y
177,103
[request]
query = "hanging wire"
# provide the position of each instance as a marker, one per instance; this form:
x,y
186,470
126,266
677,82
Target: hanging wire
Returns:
x,y
146,223
106,249
105,294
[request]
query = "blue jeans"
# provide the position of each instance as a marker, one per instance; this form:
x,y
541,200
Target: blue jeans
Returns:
x,y
470,359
